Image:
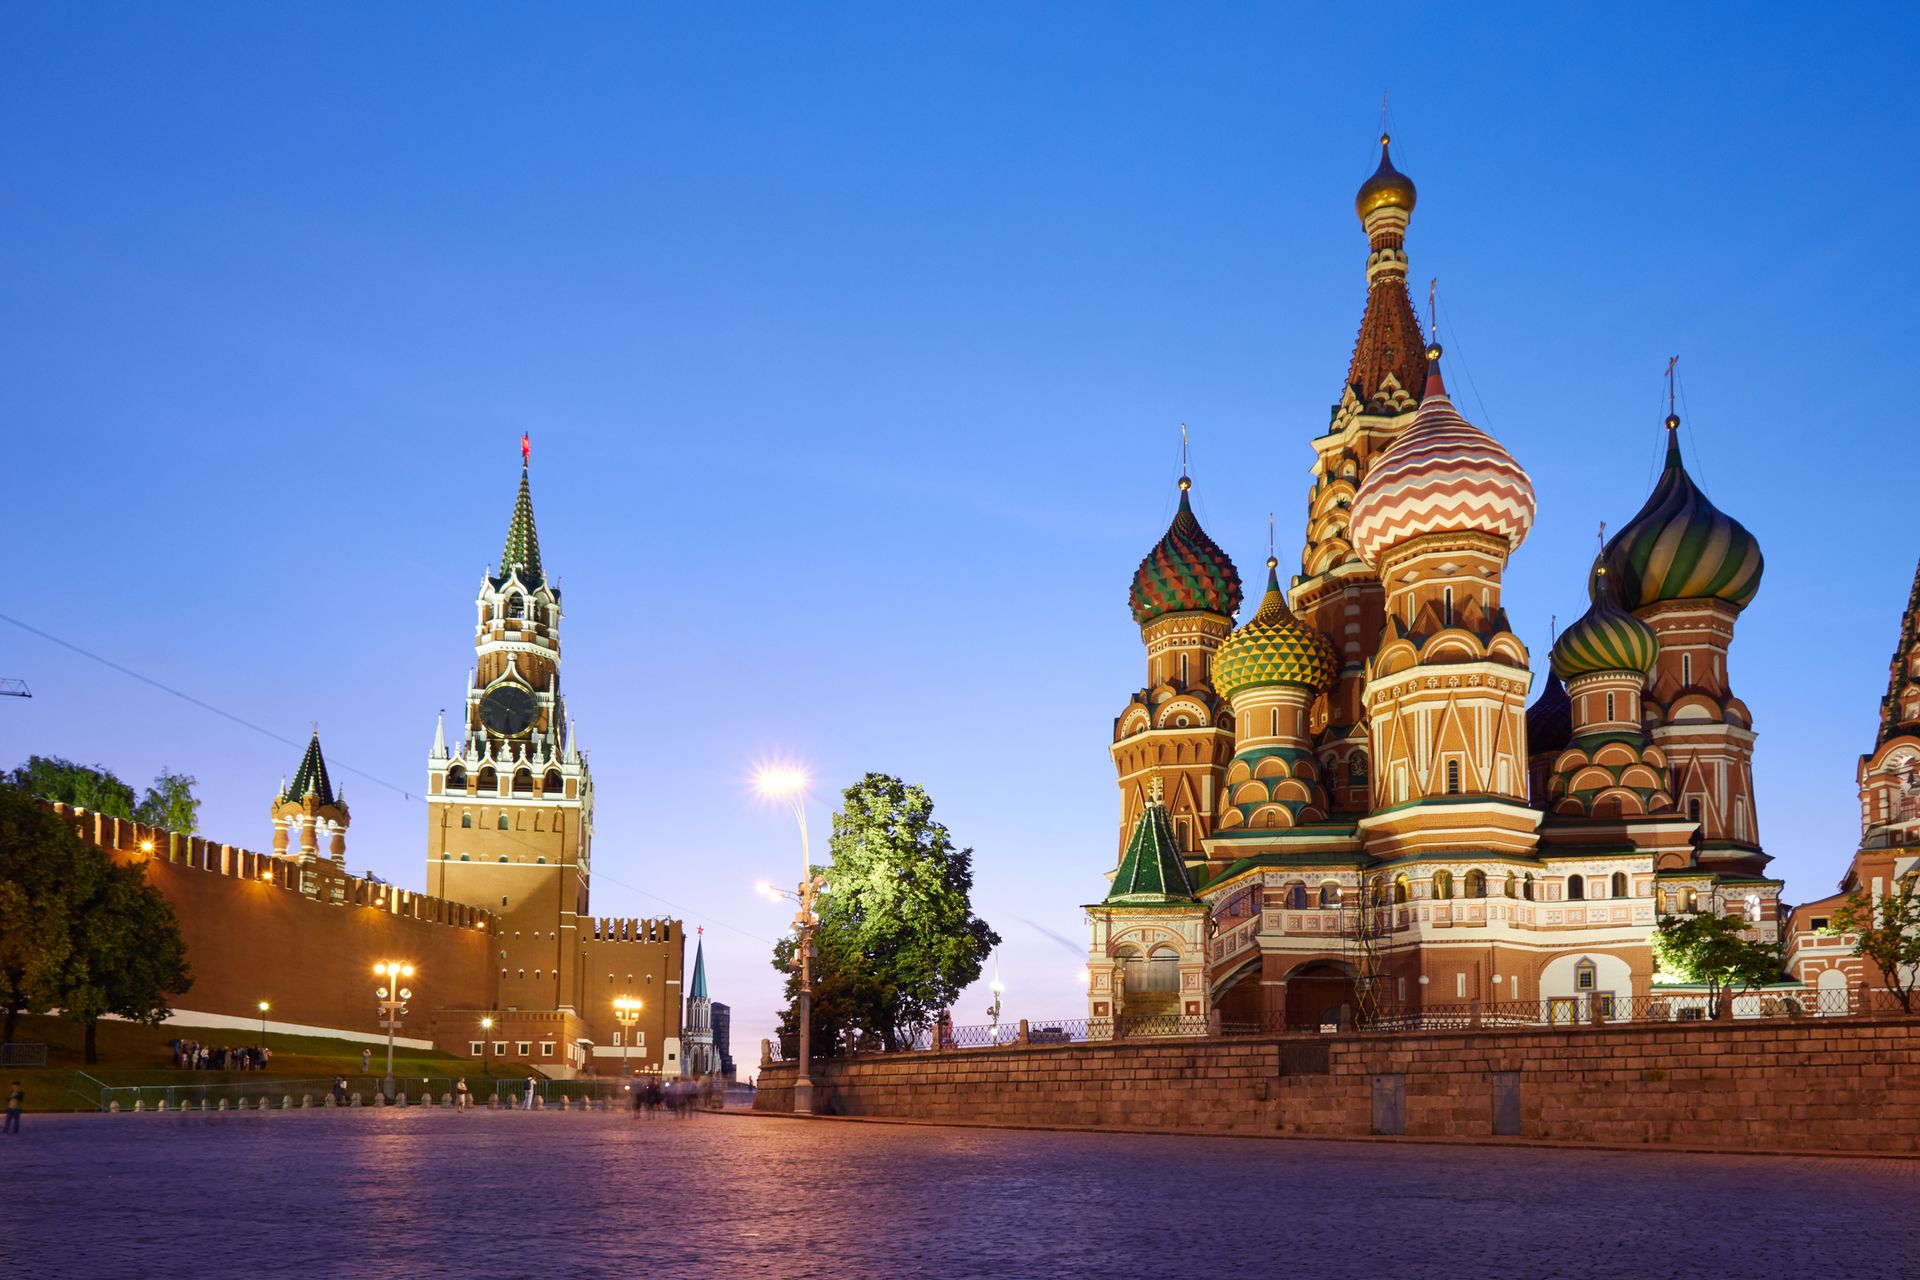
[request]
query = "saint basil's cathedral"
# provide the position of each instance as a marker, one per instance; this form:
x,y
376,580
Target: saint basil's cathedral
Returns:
x,y
1345,806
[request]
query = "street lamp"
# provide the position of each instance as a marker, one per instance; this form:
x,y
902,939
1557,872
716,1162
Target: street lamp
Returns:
x,y
999,989
486,1035
790,785
263,1023
627,1010
393,1005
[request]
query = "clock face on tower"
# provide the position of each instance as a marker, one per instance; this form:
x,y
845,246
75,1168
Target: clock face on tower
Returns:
x,y
508,710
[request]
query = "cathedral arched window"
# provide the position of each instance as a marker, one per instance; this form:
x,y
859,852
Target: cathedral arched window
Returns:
x,y
503,827
1619,884
516,606
1296,897
1513,885
1610,714
553,786
1576,889
1526,887
489,781
1402,888
1476,884
456,779
523,782
466,820
1443,885
1330,894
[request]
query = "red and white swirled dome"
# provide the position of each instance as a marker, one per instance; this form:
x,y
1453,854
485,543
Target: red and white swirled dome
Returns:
x,y
1443,475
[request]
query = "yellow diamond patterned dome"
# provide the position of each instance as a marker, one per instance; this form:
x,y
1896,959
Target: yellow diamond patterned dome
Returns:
x,y
1273,647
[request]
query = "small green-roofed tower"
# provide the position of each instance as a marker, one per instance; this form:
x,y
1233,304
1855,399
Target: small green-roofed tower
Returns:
x,y
1150,869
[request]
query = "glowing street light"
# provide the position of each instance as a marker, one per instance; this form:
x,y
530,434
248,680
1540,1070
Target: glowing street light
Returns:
x,y
264,1006
393,1005
627,1011
486,1035
790,785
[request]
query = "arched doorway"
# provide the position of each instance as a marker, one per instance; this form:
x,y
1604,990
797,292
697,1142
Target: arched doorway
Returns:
x,y
1316,992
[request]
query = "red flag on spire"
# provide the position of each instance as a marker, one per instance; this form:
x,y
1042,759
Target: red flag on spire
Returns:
x,y
526,448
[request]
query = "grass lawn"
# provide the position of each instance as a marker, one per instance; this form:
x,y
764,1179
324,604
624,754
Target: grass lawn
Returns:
x,y
131,1054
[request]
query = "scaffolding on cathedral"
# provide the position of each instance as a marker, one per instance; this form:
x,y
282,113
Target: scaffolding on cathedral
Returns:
x,y
1366,939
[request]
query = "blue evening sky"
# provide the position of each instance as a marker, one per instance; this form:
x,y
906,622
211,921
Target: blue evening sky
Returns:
x,y
853,343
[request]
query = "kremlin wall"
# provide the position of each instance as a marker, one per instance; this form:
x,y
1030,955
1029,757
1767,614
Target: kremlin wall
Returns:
x,y
305,936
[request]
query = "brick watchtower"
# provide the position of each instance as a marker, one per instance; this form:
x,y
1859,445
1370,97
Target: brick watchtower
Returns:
x,y
510,799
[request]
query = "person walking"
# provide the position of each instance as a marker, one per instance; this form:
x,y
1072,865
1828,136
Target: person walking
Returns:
x,y
460,1094
527,1105
366,1060
16,1096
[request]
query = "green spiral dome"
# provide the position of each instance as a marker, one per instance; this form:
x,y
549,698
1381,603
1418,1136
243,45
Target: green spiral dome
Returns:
x,y
1273,647
1606,638
1186,571
1682,547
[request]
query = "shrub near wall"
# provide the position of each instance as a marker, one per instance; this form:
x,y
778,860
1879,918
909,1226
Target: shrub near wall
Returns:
x,y
1808,1085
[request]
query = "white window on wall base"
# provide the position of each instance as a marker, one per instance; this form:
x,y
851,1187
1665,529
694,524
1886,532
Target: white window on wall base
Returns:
x,y
616,1039
500,1048
475,1048
546,1048
1460,985
523,1048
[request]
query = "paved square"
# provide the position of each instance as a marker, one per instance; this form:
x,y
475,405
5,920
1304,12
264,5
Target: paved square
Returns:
x,y
506,1194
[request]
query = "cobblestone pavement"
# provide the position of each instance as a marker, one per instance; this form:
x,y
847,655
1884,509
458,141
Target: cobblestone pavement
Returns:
x,y
509,1194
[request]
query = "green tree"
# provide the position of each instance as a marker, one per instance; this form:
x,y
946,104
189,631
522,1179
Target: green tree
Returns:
x,y
1887,933
91,787
45,868
897,939
170,803
1713,951
128,956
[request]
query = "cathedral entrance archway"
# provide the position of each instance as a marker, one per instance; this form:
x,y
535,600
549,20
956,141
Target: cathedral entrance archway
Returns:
x,y
1316,993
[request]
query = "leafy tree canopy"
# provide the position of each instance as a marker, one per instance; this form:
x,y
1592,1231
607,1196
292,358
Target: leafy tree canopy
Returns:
x,y
897,939
1713,951
1887,933
168,803
79,932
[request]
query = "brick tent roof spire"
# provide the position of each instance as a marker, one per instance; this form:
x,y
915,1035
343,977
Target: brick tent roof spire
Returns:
x,y
1390,341
1902,678
311,775
522,551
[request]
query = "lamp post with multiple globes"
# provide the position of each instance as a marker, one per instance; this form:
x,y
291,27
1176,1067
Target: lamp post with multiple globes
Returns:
x,y
790,786
393,1006
627,1011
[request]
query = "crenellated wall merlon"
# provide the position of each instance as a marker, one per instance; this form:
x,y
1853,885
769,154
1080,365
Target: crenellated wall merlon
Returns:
x,y
315,878
634,930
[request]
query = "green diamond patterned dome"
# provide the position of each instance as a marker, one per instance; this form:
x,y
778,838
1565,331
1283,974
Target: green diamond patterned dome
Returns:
x,y
1606,638
1187,571
1274,647
1682,547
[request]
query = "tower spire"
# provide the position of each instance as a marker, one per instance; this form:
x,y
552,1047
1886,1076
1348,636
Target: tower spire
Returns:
x,y
522,551
1899,710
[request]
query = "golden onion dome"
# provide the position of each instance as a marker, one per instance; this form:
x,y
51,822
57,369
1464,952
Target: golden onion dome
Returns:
x,y
1273,647
1387,188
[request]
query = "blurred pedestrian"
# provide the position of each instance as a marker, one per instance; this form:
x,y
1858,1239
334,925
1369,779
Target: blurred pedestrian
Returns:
x,y
16,1097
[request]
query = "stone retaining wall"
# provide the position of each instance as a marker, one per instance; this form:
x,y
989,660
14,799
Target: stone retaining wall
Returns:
x,y
1832,1084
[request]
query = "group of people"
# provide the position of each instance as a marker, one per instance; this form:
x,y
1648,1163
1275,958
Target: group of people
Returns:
x,y
677,1096
191,1055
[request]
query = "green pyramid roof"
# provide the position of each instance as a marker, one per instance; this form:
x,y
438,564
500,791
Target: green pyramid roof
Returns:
x,y
523,543
312,774
1151,870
